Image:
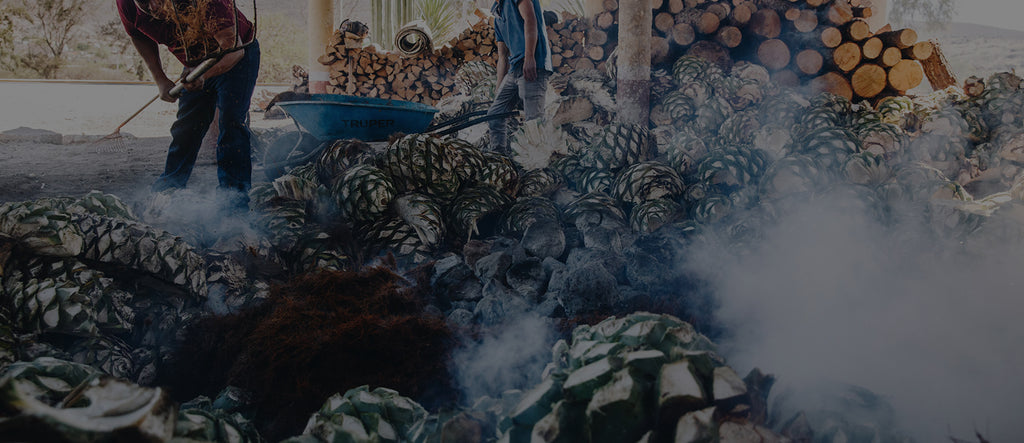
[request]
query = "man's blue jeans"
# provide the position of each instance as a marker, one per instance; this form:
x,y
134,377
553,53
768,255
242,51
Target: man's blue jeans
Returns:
x,y
514,87
231,93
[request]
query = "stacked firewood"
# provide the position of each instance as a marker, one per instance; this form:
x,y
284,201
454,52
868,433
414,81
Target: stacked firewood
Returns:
x,y
426,77
825,44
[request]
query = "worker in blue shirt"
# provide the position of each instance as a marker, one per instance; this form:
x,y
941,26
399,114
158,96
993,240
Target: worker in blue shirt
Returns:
x,y
524,64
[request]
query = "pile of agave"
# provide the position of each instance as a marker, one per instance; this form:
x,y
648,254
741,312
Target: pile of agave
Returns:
x,y
85,280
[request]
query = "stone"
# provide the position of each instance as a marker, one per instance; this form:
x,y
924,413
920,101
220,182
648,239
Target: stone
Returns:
x,y
475,250
469,291
544,239
493,265
549,307
551,265
489,311
444,265
588,288
460,318
527,278
617,412
453,280
612,262
600,237
643,270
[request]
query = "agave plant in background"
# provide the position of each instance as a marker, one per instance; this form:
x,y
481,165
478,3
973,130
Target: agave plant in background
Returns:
x,y
442,17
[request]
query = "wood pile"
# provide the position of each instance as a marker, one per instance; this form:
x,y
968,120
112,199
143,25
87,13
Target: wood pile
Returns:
x,y
427,77
823,44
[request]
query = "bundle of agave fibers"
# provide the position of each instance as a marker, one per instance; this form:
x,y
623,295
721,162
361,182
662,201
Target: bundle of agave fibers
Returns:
x,y
319,334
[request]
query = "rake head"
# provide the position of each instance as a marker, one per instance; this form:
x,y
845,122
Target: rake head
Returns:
x,y
115,143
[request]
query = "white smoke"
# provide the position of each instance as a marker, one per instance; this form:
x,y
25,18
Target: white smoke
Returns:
x,y
511,356
830,294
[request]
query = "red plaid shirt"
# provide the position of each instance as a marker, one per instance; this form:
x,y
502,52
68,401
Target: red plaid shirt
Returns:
x,y
140,24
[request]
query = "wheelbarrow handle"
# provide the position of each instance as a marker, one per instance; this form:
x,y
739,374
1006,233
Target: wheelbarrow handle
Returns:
x,y
464,121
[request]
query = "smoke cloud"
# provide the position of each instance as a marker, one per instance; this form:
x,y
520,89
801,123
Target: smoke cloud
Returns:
x,y
509,357
832,295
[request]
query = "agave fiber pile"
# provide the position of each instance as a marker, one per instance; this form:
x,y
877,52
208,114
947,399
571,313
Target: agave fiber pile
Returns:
x,y
585,219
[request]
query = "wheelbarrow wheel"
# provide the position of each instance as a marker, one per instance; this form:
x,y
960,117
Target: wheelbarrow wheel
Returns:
x,y
275,159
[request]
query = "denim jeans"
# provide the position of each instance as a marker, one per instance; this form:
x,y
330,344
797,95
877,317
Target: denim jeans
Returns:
x,y
231,93
514,87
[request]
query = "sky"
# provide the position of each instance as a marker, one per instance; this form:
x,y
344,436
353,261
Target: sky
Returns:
x,y
1007,14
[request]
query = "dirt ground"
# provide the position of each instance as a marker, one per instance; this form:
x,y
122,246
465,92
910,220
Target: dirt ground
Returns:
x,y
30,169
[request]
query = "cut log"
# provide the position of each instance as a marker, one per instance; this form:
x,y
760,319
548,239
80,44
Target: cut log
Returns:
x,y
611,5
765,23
834,83
596,37
708,23
809,61
595,52
936,69
857,30
847,56
973,86
904,38
831,37
740,15
774,54
891,56
664,22
872,48
604,20
815,3
906,75
868,80
719,9
839,13
919,51
792,14
806,22
674,6
729,36
683,34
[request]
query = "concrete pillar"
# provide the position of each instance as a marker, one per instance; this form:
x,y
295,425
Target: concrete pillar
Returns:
x,y
321,28
633,66
879,14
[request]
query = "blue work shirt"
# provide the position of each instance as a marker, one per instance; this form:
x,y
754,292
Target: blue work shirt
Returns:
x,y
509,28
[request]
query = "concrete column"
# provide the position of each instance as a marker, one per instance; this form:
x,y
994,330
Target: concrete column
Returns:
x,y
633,66
879,14
321,28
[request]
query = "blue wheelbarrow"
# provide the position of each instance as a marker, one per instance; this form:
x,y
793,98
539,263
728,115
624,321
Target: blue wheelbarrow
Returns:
x,y
323,118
